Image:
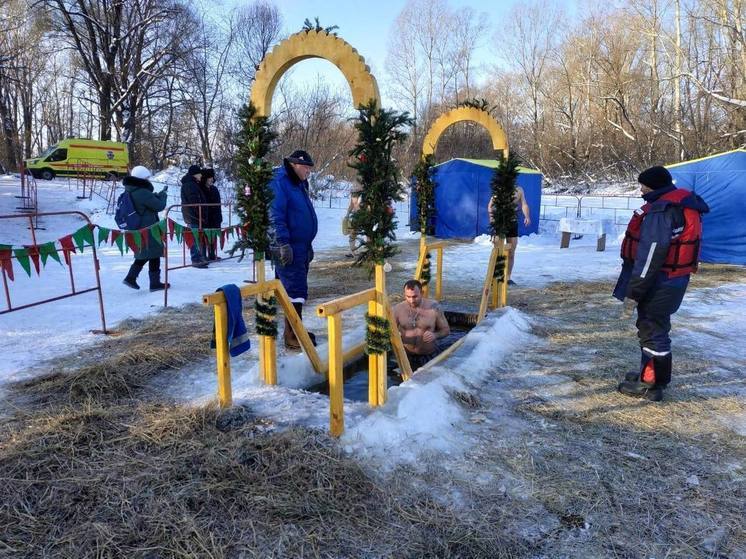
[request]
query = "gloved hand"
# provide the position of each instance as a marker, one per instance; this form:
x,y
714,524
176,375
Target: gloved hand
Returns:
x,y
286,255
629,305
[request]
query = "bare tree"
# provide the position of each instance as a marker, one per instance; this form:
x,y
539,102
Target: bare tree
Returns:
x,y
257,29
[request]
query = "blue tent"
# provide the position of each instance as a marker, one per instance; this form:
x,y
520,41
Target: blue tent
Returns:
x,y
721,181
462,192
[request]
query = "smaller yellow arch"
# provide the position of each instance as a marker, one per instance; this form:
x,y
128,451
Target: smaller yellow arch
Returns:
x,y
460,114
313,44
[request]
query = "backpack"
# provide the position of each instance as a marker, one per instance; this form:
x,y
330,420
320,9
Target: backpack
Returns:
x,y
126,215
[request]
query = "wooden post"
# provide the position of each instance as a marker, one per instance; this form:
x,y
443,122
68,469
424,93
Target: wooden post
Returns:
x,y
381,300
487,283
439,277
336,377
225,395
372,365
300,331
504,285
267,345
401,355
565,241
494,292
601,243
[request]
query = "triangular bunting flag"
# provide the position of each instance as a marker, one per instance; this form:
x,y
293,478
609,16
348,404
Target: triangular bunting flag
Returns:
x,y
103,234
188,237
33,252
157,233
6,260
82,236
171,227
23,259
129,239
48,249
118,240
179,230
144,237
67,245
222,238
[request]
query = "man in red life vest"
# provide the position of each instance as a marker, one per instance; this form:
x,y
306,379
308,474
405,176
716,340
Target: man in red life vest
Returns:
x,y
659,252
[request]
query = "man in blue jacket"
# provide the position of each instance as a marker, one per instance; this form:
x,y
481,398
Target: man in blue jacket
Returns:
x,y
294,226
659,252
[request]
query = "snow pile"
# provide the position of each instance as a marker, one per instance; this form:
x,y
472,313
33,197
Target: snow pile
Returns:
x,y
421,415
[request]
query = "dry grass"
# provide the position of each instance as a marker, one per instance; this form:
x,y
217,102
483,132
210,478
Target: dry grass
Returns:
x,y
162,481
578,471
119,366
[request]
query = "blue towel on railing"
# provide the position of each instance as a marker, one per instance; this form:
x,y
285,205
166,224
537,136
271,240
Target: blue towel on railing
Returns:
x,y
238,337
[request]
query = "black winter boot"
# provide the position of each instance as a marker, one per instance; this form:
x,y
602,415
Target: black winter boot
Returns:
x,y
155,281
130,279
639,389
299,309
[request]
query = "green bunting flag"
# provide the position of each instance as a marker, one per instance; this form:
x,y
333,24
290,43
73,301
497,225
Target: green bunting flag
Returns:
x,y
48,250
197,234
82,236
179,230
103,234
118,239
23,259
158,231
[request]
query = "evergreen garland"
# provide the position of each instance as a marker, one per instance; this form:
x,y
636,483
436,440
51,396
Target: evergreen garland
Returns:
x,y
425,187
503,218
425,273
499,272
266,317
254,173
379,131
377,335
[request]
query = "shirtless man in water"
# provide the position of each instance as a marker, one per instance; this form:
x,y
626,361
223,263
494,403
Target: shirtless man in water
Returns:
x,y
421,323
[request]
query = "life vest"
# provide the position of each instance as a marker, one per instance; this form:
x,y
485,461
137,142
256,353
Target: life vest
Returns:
x,y
683,252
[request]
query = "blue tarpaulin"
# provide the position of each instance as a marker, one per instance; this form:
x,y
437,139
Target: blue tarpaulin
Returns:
x,y
721,181
462,192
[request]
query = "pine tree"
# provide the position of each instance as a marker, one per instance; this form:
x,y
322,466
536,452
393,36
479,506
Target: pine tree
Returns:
x,y
254,172
425,187
503,218
379,131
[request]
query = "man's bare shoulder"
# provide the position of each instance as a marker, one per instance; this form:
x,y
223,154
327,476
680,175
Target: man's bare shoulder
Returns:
x,y
430,305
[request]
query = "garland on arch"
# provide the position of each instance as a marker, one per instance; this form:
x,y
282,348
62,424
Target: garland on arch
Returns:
x,y
379,132
425,188
503,218
425,275
254,172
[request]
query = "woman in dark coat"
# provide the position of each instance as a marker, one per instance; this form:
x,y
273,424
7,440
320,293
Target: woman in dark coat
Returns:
x,y
214,213
147,205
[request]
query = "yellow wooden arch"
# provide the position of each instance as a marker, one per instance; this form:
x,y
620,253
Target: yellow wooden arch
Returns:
x,y
460,114
314,44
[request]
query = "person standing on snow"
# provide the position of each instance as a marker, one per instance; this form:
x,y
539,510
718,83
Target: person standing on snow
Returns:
x,y
194,217
659,252
214,213
294,225
147,205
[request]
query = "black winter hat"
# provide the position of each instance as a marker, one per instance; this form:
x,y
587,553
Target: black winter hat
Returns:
x,y
194,170
655,178
208,172
301,157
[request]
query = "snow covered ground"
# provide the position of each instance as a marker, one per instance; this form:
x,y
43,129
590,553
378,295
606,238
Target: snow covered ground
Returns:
x,y
418,414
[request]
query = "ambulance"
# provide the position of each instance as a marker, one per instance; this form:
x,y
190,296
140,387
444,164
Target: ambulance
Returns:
x,y
78,156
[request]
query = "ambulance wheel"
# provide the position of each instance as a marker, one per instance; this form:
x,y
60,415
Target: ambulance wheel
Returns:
x,y
47,174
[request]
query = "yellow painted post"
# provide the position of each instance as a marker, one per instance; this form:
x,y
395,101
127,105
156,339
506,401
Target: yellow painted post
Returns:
x,y
439,277
504,285
336,378
398,347
266,366
270,360
487,283
225,395
381,312
494,291
372,365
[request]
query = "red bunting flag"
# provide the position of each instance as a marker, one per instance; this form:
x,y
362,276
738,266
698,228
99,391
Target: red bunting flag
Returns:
x,y
188,237
33,252
68,246
6,261
171,228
